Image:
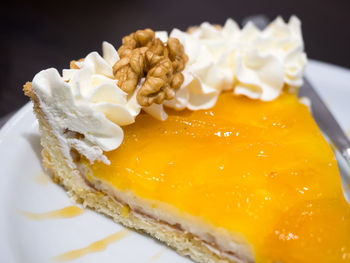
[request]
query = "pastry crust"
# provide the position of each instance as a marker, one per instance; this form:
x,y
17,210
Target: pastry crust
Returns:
x,y
81,191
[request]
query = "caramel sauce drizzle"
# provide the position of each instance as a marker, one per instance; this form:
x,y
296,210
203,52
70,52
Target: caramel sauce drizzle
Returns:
x,y
66,212
42,178
157,255
92,248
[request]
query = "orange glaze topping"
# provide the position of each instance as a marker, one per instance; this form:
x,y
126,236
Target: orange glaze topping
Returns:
x,y
260,169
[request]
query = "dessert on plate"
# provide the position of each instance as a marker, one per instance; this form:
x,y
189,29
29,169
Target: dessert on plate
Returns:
x,y
198,138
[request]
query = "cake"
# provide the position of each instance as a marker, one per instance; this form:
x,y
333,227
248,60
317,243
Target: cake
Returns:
x,y
199,140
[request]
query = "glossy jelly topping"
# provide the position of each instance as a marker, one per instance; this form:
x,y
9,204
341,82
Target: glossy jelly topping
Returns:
x,y
259,169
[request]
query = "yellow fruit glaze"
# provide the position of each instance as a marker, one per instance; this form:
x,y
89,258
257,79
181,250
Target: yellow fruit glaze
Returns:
x,y
260,169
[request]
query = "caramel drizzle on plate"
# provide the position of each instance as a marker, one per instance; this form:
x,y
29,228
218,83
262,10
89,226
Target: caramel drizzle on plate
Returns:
x,y
94,247
42,178
66,212
156,256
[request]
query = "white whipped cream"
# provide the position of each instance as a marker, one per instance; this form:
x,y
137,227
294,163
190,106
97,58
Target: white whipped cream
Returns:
x,y
267,60
255,63
252,62
86,101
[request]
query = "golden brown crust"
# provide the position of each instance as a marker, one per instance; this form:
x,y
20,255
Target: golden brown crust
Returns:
x,y
28,91
53,159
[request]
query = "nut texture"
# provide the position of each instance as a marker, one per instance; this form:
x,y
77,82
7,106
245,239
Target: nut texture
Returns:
x,y
143,55
73,64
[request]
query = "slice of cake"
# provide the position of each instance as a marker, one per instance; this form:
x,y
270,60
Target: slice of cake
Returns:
x,y
199,139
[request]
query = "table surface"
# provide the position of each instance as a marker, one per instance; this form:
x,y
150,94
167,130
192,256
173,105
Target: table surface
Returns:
x,y
42,35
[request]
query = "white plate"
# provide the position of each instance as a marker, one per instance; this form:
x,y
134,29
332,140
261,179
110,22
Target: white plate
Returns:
x,y
26,240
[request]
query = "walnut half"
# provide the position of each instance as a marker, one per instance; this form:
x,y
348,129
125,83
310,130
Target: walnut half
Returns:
x,y
143,55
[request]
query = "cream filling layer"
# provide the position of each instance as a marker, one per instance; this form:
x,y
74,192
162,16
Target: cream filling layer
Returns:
x,y
232,244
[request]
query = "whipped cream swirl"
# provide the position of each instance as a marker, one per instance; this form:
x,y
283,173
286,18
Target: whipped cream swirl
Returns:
x,y
86,109
255,63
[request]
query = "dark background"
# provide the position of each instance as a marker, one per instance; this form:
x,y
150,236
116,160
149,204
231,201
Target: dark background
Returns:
x,y
36,35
